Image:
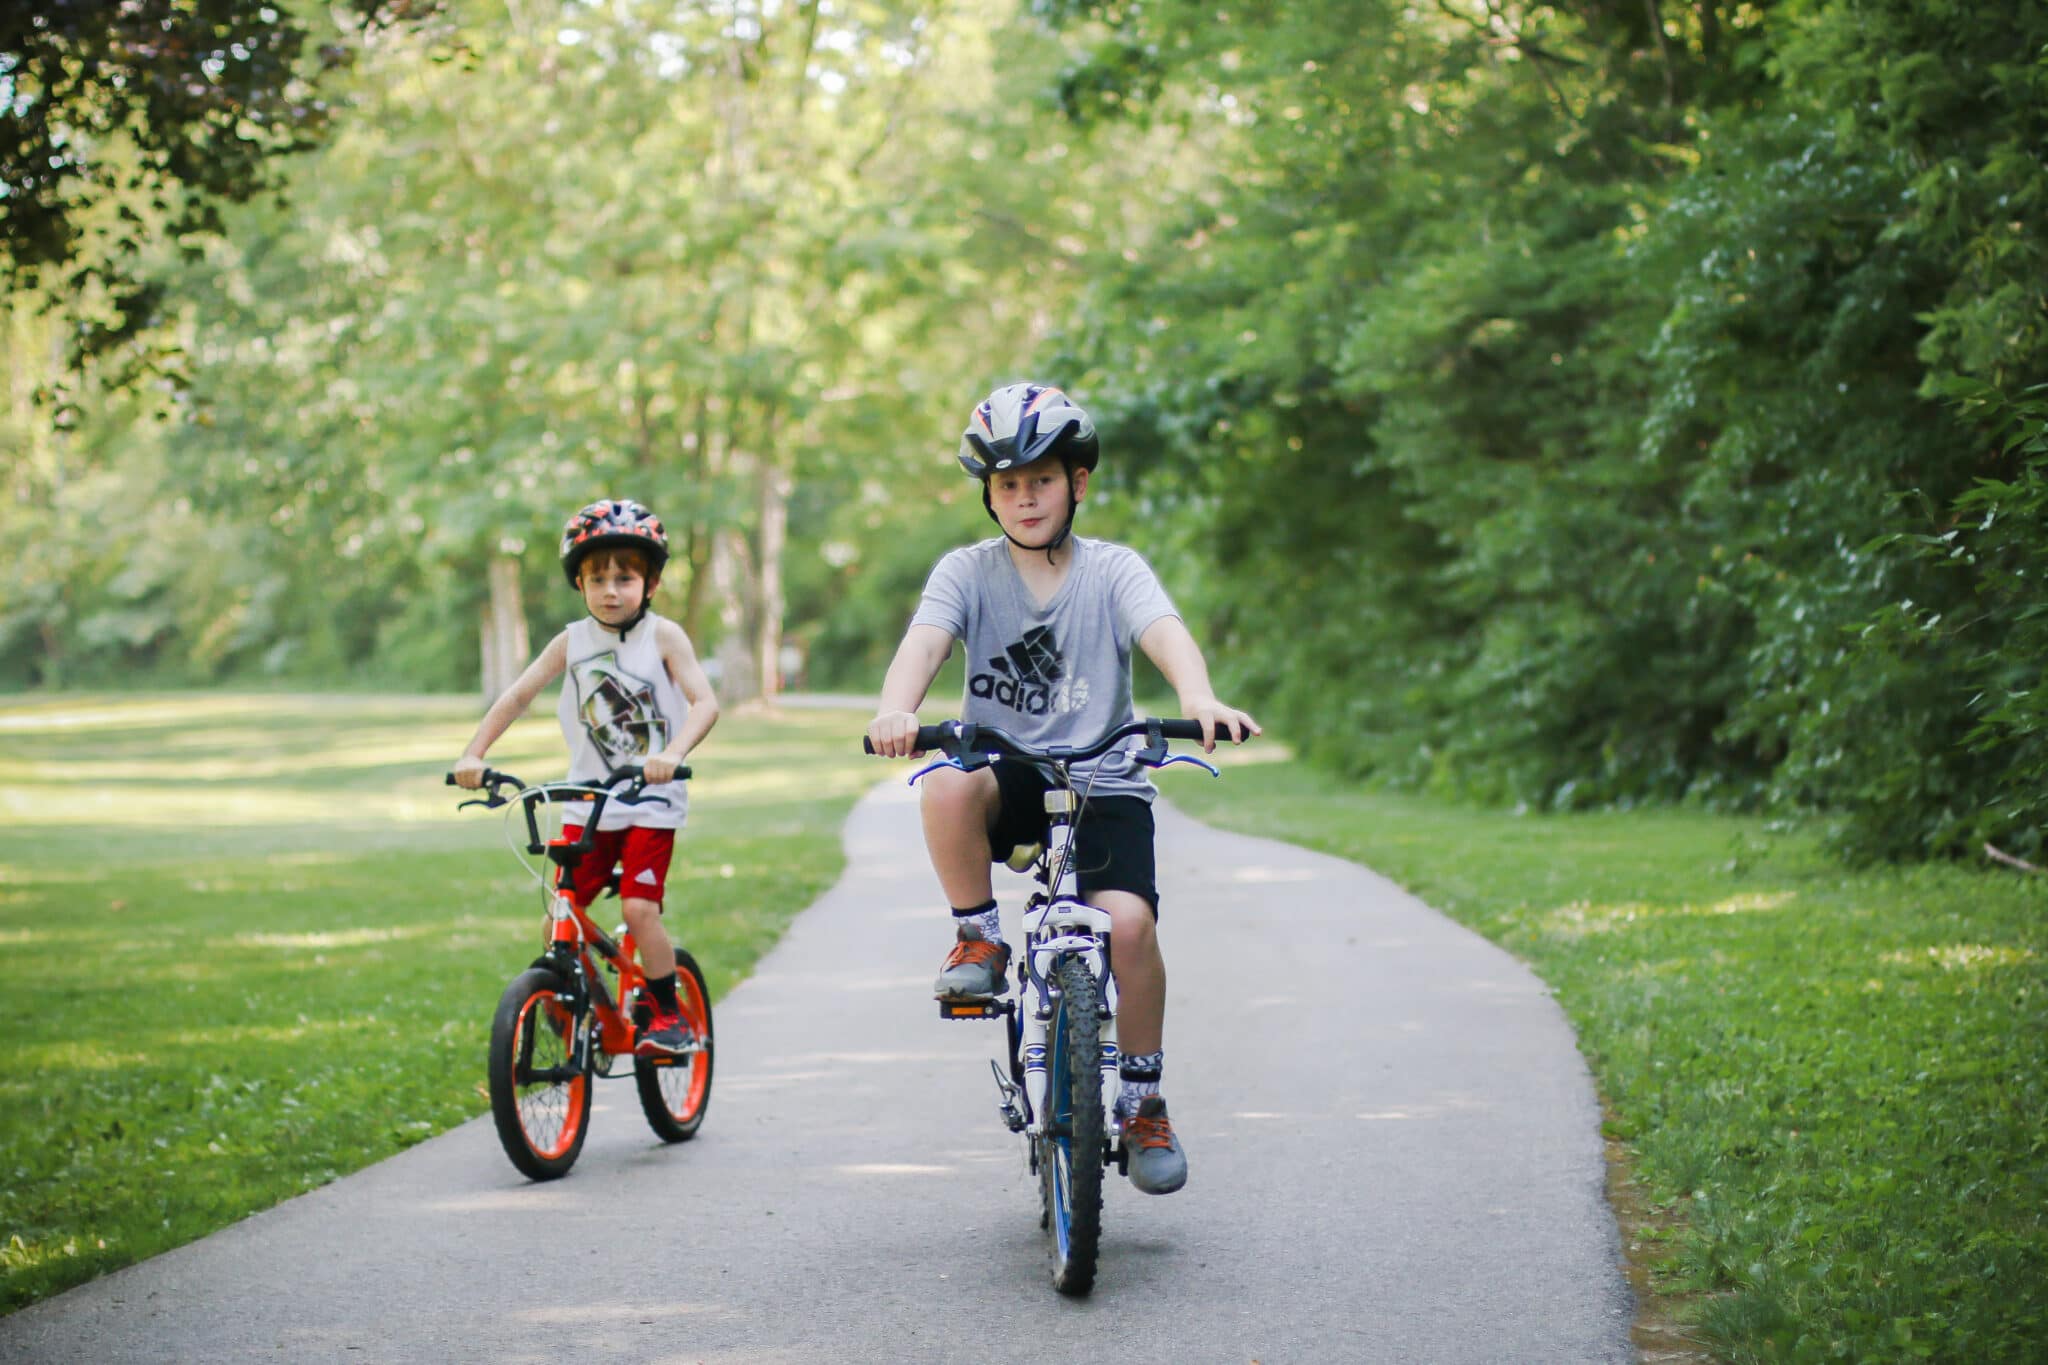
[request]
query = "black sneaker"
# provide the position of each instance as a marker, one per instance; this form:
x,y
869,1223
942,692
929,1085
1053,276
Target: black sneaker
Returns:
x,y
664,1035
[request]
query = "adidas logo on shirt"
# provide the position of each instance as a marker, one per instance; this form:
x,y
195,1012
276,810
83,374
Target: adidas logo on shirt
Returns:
x,y
1030,676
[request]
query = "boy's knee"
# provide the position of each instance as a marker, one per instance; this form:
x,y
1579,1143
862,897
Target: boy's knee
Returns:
x,y
1132,918
959,795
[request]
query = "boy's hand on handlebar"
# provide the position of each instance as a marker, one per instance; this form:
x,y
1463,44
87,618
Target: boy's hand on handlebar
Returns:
x,y
469,772
893,734
660,768
1218,720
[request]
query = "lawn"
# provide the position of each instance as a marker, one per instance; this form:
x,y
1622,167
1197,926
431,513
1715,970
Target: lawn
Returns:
x,y
1830,1086
256,947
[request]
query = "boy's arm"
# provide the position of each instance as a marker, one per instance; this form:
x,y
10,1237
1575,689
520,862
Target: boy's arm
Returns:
x,y
679,656
510,705
1166,642
918,659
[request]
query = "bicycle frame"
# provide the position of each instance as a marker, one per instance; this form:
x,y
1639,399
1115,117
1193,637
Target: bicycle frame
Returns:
x,y
1057,925
573,937
1071,1129
562,1005
575,943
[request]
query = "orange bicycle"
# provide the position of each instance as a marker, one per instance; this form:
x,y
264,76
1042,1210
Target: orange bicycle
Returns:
x,y
559,1028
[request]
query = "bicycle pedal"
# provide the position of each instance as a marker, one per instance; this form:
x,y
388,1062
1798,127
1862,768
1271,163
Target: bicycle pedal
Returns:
x,y
972,1009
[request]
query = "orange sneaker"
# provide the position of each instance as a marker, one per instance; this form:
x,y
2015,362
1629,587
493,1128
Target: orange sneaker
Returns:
x,y
974,969
1158,1166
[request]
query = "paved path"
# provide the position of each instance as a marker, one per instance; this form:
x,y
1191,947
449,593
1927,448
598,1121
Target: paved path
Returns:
x,y
1394,1152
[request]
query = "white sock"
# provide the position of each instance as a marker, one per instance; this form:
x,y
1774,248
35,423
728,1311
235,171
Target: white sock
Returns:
x,y
989,920
1140,1076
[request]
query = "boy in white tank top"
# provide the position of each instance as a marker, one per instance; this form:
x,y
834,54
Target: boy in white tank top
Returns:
x,y
632,692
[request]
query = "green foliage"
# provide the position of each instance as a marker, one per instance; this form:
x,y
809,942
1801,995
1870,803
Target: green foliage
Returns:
x,y
1584,376
125,120
1830,1084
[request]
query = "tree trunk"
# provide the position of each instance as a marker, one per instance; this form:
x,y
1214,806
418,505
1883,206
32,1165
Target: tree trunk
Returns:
x,y
505,649
732,581
775,488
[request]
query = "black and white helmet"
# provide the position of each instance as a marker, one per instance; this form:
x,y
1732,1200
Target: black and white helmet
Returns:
x,y
1020,424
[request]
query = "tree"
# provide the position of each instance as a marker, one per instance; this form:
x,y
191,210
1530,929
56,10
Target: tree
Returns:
x,y
124,119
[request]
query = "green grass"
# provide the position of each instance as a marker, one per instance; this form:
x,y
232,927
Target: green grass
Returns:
x,y
1833,1085
253,946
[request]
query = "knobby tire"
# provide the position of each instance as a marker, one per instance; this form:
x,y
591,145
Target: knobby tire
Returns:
x,y
1072,1145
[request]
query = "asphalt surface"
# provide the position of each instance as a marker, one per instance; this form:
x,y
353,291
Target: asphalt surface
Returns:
x,y
1393,1146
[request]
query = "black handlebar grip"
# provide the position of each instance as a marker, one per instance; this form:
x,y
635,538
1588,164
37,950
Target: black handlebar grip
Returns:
x,y
929,737
1187,729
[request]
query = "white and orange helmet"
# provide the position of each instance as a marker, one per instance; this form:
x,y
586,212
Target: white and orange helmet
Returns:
x,y
1020,424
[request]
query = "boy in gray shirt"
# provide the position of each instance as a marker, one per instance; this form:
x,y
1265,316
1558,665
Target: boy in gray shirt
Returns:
x,y
1048,621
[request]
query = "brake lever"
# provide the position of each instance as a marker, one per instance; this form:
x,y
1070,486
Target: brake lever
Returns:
x,y
1203,764
970,763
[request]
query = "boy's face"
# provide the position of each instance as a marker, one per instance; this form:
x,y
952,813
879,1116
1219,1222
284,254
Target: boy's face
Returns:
x,y
1034,503
614,585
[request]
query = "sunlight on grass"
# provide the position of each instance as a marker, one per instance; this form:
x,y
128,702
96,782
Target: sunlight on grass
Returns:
x,y
1582,917
1957,957
182,709
335,938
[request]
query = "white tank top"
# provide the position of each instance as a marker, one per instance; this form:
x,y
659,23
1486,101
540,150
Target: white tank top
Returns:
x,y
619,706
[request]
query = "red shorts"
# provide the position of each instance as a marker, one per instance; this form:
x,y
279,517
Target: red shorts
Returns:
x,y
642,855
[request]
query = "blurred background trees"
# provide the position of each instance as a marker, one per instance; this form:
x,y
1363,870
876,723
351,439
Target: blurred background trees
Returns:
x,y
1567,404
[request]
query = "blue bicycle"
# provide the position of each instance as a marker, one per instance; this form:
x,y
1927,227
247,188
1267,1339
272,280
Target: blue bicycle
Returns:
x,y
1061,1087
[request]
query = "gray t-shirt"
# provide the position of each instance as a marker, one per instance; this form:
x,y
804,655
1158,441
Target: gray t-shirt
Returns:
x,y
1057,674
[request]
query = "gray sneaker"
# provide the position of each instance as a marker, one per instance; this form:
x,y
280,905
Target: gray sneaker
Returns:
x,y
1158,1166
974,969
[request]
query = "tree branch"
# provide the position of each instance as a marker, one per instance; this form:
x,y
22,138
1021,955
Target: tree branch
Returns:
x,y
2000,855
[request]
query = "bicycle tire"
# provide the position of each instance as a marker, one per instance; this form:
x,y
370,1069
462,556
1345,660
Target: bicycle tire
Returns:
x,y
541,1124
674,1092
1072,1143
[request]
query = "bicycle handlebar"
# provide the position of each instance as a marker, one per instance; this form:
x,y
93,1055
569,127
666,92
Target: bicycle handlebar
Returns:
x,y
596,792
954,738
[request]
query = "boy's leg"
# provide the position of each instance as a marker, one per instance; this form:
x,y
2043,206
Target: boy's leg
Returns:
x,y
643,869
1116,843
1140,970
664,1032
959,810
960,813
657,951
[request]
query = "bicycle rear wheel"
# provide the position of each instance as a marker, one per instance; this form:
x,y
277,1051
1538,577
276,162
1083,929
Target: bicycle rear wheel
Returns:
x,y
540,1099
1072,1144
674,1091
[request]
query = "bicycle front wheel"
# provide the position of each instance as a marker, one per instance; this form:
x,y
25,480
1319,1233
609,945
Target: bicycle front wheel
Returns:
x,y
1072,1144
674,1091
540,1099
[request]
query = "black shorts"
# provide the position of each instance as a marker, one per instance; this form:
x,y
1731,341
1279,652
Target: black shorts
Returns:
x,y
1112,840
